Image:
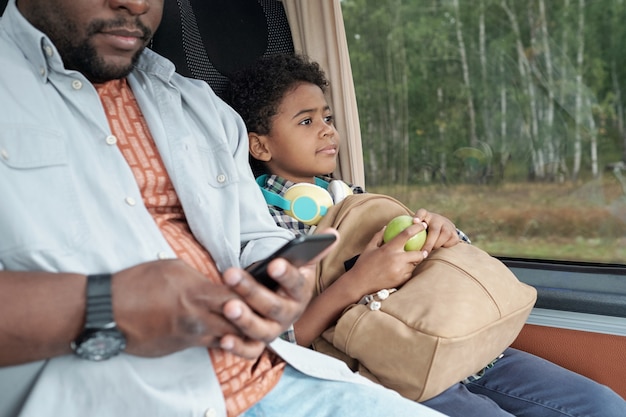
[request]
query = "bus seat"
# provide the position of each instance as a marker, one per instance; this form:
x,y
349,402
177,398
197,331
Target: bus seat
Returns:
x,y
209,40
598,356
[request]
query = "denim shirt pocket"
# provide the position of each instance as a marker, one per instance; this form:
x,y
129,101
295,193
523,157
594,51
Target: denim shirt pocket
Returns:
x,y
218,165
40,208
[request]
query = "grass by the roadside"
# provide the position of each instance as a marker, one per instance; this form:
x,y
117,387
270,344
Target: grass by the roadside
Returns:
x,y
583,222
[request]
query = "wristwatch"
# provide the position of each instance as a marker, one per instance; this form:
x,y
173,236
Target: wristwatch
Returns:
x,y
100,338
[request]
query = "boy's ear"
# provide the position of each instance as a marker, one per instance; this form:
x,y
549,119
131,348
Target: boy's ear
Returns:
x,y
258,148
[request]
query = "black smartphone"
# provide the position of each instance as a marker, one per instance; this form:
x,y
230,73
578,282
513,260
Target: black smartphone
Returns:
x,y
298,252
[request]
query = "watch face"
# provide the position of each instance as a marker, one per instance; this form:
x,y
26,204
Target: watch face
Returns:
x,y
99,344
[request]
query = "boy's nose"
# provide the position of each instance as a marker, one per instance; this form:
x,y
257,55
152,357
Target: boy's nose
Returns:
x,y
328,130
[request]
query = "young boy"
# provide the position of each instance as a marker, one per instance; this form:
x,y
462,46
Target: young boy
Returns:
x,y
293,140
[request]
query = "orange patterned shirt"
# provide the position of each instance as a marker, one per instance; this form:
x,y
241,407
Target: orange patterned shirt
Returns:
x,y
244,382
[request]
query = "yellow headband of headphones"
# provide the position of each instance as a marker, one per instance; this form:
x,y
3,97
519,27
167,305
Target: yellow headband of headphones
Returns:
x,y
305,202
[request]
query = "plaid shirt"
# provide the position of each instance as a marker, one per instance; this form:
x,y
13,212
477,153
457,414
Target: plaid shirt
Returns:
x,y
280,186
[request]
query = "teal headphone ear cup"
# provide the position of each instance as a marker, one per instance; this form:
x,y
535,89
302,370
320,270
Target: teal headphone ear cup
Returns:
x,y
305,202
308,203
305,209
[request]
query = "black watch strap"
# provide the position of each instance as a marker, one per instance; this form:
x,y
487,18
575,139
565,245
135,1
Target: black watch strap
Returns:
x,y
99,306
100,338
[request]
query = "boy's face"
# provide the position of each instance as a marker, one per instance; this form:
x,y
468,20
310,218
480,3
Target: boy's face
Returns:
x,y
303,141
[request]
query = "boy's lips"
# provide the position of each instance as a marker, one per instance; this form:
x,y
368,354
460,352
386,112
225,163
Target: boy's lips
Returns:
x,y
331,149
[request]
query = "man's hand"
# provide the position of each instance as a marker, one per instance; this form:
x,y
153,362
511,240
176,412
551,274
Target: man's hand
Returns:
x,y
161,307
166,306
262,315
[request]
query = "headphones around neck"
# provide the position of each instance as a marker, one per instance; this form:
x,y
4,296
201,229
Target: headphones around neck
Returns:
x,y
305,202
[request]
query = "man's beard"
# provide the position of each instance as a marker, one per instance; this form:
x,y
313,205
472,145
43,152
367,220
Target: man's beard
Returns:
x,y
82,55
85,60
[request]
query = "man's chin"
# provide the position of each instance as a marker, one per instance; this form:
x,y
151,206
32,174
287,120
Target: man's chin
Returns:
x,y
104,77
105,65
111,70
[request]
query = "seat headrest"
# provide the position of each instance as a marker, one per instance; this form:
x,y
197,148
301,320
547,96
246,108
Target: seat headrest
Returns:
x,y
210,39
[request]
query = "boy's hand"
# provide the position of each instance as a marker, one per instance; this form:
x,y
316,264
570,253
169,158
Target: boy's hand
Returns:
x,y
441,231
389,265
385,265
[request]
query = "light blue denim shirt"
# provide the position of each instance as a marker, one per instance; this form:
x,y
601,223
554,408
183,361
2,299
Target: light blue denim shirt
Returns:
x,y
70,203
69,200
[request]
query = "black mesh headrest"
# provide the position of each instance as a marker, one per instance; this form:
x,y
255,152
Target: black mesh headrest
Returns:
x,y
209,39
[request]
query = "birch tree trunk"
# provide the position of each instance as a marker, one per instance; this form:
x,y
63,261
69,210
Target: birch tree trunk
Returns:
x,y
552,156
593,135
466,75
504,142
482,48
397,81
579,87
529,130
534,103
619,108
441,128
563,69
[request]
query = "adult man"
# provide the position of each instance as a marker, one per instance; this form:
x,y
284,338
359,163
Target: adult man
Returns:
x,y
114,167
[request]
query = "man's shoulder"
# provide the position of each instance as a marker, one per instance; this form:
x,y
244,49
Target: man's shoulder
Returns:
x,y
157,68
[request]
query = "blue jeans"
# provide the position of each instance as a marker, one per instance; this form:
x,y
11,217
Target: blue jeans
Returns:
x,y
299,395
523,385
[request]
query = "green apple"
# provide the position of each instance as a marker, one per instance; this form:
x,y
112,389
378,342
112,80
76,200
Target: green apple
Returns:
x,y
398,224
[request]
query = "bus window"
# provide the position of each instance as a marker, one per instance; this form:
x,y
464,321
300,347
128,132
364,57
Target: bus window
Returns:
x,y
506,116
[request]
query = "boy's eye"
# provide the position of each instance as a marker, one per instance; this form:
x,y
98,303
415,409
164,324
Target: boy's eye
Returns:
x,y
329,119
307,121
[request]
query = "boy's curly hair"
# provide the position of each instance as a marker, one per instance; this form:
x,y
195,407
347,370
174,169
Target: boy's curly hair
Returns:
x,y
256,91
